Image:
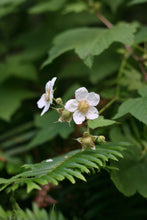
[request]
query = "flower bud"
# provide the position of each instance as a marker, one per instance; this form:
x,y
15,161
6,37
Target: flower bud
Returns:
x,y
65,115
100,139
87,141
59,101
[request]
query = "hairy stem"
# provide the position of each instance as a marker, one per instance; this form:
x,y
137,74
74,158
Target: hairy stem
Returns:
x,y
87,128
104,20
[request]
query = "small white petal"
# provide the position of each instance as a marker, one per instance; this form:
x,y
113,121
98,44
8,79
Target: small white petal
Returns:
x,y
41,102
78,117
49,160
81,93
93,148
51,96
49,85
93,98
45,108
53,81
92,113
71,105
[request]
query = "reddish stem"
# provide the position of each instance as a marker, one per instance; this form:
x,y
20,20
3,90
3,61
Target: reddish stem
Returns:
x,y
104,20
128,48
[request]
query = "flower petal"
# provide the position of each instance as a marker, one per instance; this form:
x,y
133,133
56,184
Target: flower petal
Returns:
x,y
92,113
93,98
53,81
45,108
81,93
41,102
93,147
78,117
71,105
49,85
51,96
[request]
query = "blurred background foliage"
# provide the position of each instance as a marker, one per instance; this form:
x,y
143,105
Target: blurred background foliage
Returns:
x,y
66,39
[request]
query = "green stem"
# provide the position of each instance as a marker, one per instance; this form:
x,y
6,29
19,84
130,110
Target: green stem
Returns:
x,y
61,104
88,129
139,48
108,105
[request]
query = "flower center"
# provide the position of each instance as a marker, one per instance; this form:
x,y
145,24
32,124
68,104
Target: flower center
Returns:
x,y
47,95
83,106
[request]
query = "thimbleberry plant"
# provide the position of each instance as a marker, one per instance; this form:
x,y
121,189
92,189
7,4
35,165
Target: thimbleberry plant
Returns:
x,y
90,123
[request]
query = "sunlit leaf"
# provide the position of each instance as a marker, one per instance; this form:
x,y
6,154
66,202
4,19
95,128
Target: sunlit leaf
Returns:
x,y
88,42
100,122
132,175
52,5
136,107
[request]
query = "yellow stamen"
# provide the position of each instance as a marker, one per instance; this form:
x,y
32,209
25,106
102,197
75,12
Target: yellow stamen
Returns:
x,y
83,106
47,95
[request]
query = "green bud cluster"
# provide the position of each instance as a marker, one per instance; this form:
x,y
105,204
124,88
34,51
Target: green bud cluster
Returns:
x,y
100,139
59,101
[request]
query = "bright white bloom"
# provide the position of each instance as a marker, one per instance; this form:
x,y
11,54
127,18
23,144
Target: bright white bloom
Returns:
x,y
83,105
47,97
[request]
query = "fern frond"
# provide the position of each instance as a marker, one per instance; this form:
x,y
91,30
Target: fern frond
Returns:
x,y
28,214
70,166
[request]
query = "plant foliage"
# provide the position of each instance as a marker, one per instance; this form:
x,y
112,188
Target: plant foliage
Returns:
x,y
97,44
69,166
35,214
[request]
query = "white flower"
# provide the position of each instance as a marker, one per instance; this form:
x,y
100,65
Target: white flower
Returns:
x,y
47,97
83,105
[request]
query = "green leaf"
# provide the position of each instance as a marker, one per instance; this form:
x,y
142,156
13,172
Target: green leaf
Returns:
x,y
75,7
13,67
88,42
61,167
135,2
136,107
2,180
10,100
34,43
116,135
28,214
5,2
133,83
77,69
8,6
49,128
132,175
52,5
141,35
31,185
99,70
100,122
143,91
